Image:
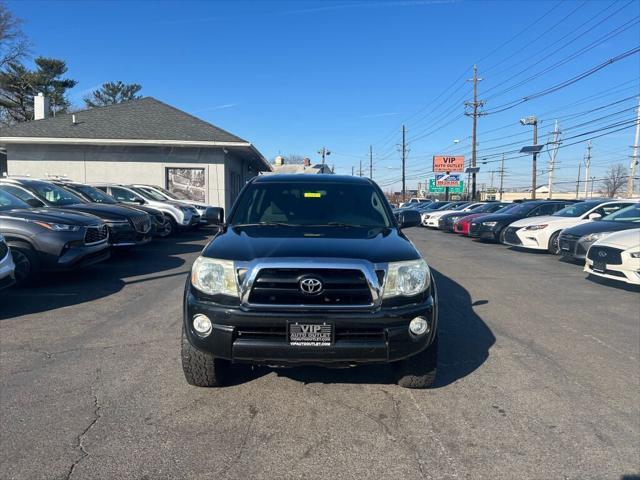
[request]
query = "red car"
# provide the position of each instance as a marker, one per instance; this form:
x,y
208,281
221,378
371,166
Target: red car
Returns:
x,y
461,225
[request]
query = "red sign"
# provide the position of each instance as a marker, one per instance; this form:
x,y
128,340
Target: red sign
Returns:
x,y
443,163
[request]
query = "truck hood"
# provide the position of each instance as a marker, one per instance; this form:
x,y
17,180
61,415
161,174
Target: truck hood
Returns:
x,y
600,226
52,215
248,243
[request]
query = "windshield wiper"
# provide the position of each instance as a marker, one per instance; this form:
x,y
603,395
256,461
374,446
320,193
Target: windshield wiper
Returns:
x,y
268,224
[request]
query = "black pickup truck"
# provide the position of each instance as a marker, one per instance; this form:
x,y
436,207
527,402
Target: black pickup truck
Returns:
x,y
310,270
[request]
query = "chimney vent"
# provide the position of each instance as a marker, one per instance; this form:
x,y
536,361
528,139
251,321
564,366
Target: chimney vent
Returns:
x,y
40,107
73,119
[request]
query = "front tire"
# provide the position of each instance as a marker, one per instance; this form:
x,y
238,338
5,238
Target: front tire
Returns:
x,y
419,371
26,265
501,236
200,368
554,244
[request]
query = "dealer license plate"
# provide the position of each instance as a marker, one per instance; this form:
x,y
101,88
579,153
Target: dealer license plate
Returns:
x,y
311,334
599,267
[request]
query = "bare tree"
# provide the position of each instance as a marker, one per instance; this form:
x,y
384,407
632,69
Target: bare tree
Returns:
x,y
614,180
13,42
295,158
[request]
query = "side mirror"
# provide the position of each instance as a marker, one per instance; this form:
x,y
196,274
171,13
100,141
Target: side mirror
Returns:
x,y
139,201
409,218
35,203
595,216
214,215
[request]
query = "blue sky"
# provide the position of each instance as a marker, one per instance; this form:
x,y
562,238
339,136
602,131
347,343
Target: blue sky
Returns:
x,y
294,76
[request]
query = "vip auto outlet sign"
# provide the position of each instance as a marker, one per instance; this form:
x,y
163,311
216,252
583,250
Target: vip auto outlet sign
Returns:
x,y
443,163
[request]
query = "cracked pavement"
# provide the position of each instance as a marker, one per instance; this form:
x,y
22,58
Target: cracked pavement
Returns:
x,y
538,378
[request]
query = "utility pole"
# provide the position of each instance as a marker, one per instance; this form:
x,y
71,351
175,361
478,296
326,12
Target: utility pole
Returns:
x,y
323,153
533,120
360,172
634,157
501,175
404,160
474,114
593,179
352,170
371,162
578,181
587,164
554,153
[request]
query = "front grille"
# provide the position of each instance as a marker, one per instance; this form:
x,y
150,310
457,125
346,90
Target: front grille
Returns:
x,y
142,223
96,234
566,245
281,286
511,237
354,334
608,255
4,250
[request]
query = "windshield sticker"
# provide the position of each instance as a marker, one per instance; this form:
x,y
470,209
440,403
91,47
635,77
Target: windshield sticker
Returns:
x,y
312,195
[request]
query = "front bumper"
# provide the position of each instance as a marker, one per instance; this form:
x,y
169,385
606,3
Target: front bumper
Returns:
x,y
260,337
628,271
124,235
574,248
80,256
483,232
519,237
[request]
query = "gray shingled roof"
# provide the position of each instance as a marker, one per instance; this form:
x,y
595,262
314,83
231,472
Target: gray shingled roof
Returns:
x,y
144,119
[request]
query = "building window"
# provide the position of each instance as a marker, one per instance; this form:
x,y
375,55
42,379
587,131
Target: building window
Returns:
x,y
186,183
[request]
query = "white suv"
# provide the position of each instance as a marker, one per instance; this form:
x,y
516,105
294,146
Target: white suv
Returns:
x,y
201,207
180,216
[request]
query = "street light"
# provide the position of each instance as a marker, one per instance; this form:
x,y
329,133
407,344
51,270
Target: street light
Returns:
x,y
532,120
323,152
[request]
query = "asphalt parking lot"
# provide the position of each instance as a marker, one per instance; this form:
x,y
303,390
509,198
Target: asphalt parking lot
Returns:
x,y
538,379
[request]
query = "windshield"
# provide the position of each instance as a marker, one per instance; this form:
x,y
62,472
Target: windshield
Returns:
x,y
575,210
95,195
521,208
9,202
149,194
311,203
54,195
173,195
628,214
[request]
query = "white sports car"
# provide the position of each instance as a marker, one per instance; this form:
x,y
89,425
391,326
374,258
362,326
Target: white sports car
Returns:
x,y
541,233
617,256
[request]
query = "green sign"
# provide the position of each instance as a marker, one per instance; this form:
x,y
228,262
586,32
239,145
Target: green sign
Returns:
x,y
433,188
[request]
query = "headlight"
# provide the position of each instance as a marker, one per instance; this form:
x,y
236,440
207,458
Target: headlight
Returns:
x,y
592,237
425,217
117,222
489,224
58,227
536,227
406,278
213,276
185,209
635,254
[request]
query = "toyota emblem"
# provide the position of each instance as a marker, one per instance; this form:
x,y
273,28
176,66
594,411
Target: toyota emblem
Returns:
x,y
310,286
602,254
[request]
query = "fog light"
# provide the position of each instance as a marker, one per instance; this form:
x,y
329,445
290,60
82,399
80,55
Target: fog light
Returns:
x,y
419,326
202,325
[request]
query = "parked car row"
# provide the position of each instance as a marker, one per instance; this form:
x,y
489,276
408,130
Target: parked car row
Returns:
x,y
59,224
602,234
